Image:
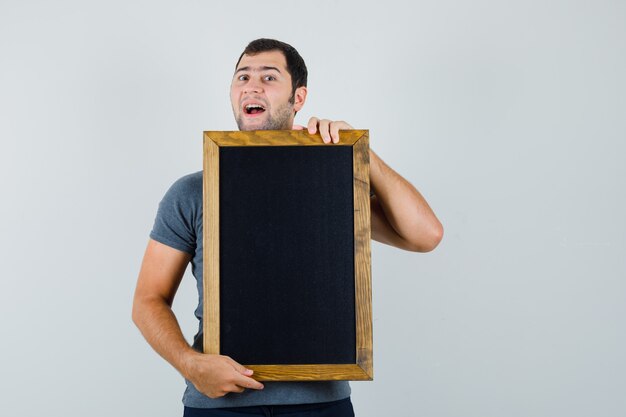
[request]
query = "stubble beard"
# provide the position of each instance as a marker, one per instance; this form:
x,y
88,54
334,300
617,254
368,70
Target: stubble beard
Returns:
x,y
281,120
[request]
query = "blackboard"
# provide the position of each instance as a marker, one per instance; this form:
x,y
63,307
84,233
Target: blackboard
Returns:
x,y
287,268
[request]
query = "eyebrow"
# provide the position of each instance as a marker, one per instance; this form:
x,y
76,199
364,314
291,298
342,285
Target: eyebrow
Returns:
x,y
263,68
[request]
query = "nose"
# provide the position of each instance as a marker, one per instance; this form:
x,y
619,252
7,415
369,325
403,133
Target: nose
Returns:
x,y
253,86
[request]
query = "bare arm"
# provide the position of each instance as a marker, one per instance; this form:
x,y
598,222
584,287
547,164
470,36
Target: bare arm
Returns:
x,y
401,217
160,275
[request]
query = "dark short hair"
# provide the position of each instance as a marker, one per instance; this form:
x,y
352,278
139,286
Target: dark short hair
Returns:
x,y
295,63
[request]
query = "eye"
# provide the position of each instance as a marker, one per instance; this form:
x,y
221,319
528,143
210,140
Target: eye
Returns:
x,y
269,78
243,77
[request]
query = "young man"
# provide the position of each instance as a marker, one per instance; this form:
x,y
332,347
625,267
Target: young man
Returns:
x,y
268,88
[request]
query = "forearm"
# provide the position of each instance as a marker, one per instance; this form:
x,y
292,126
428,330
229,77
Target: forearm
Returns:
x,y
405,209
157,323
213,375
401,217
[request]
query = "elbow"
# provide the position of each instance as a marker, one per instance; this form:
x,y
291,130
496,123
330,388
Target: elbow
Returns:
x,y
427,241
145,306
137,312
436,237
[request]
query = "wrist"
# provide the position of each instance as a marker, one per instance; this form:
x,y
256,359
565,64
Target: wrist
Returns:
x,y
187,363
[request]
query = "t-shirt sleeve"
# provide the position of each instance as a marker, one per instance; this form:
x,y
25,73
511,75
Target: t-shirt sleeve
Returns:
x,y
175,222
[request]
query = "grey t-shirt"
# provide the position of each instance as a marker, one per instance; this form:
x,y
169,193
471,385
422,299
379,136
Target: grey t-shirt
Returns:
x,y
178,224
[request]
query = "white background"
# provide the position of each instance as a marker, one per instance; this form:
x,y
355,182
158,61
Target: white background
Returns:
x,y
509,116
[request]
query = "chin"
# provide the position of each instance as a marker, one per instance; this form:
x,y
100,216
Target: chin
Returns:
x,y
265,123
245,125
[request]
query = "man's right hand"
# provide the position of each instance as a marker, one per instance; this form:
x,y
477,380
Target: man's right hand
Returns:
x,y
217,375
161,271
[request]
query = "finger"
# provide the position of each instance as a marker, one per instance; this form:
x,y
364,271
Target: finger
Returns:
x,y
325,130
312,125
245,382
216,394
297,127
239,367
334,130
237,388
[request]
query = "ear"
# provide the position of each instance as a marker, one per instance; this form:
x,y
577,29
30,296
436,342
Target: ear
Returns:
x,y
299,98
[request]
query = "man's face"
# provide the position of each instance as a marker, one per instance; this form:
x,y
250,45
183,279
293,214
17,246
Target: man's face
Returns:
x,y
260,93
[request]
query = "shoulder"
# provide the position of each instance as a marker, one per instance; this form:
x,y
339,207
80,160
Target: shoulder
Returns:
x,y
184,197
190,184
179,218
186,190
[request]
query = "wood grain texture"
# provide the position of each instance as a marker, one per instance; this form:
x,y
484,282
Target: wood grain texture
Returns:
x,y
359,140
211,249
340,372
362,254
279,138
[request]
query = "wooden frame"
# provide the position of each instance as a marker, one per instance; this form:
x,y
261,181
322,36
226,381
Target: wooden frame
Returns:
x,y
362,369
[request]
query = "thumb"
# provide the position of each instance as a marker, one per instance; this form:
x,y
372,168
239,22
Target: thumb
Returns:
x,y
298,127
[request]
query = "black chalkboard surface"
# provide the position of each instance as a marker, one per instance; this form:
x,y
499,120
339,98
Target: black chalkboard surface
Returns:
x,y
287,253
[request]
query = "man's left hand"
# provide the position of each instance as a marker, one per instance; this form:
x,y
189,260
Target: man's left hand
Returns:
x,y
329,130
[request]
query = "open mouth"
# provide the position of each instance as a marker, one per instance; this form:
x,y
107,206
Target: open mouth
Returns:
x,y
254,109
